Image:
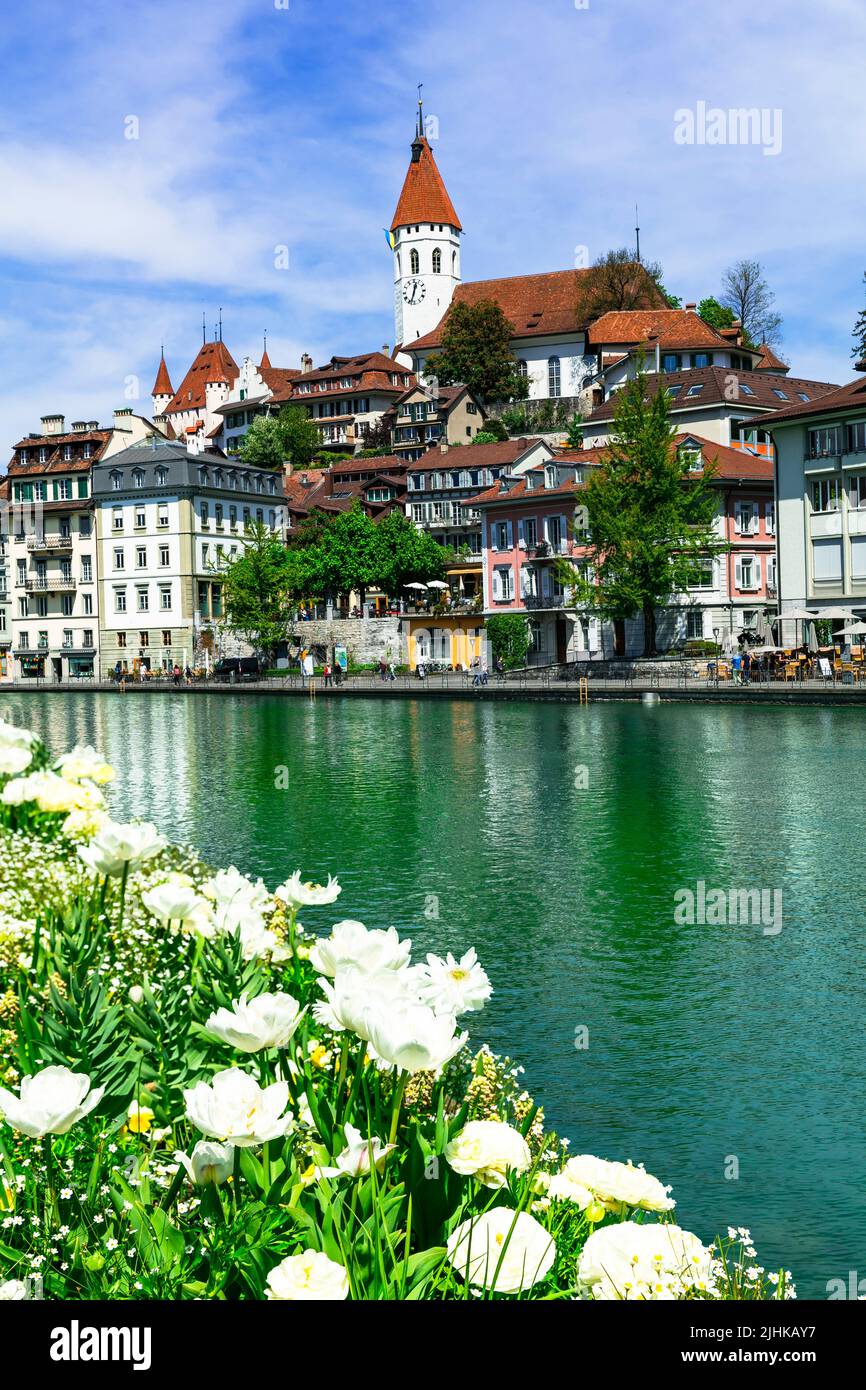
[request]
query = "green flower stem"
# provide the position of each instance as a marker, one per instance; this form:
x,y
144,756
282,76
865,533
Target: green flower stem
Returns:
x,y
398,1101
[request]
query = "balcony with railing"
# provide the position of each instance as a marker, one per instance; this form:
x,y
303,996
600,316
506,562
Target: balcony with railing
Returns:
x,y
49,542
50,584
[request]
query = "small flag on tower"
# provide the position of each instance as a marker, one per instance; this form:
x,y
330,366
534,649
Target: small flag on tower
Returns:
x,y
390,238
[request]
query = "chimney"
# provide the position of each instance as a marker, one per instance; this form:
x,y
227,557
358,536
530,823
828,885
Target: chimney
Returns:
x,y
306,363
692,307
53,424
386,350
78,426
94,424
122,414
443,447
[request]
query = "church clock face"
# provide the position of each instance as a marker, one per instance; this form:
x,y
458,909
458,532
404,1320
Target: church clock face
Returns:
x,y
414,291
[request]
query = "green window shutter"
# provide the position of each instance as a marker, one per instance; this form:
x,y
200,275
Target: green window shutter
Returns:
x,y
28,492
82,487
56,493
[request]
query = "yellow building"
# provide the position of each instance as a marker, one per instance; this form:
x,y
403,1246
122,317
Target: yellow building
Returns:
x,y
457,639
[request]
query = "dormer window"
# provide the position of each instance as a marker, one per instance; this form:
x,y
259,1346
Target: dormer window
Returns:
x,y
137,477
43,455
550,478
116,481
203,477
161,477
67,452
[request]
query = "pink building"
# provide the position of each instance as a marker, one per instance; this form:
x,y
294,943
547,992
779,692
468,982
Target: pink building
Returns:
x,y
530,522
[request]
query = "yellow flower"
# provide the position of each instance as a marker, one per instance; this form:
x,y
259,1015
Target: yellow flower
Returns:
x,y
140,1118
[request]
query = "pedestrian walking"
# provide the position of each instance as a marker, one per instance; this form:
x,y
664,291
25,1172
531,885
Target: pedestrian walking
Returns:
x,y
326,672
747,667
392,673
737,668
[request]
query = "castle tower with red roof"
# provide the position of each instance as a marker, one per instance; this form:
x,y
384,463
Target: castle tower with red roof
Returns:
x,y
425,239
162,388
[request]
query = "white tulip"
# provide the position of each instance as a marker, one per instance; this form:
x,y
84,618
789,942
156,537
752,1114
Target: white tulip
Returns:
x,y
13,1291
414,1038
296,894
618,1185
269,1020
455,986
627,1261
354,1161
230,888
234,1106
354,997
208,1162
14,760
350,943
502,1250
50,1102
52,794
308,1277
176,900
84,764
488,1150
116,847
13,737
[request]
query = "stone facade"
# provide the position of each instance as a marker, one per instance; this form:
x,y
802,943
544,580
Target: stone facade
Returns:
x,y
365,639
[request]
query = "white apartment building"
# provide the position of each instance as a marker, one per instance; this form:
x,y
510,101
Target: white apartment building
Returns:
x,y
168,522
821,494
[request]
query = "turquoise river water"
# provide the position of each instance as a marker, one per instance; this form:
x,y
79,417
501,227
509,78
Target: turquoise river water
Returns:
x,y
554,838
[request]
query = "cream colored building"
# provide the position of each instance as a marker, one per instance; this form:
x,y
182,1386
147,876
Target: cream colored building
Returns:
x,y
168,521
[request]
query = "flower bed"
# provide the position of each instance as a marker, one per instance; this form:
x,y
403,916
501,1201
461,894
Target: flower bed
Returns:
x,y
200,1097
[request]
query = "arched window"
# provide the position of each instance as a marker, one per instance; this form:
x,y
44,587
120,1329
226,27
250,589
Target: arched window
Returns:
x,y
414,262
161,477
453,262
437,262
137,477
553,377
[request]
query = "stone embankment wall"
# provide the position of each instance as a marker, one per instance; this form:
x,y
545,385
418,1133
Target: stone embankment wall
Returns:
x,y
365,639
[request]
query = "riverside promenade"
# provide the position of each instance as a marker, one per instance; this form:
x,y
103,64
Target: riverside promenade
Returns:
x,y
552,684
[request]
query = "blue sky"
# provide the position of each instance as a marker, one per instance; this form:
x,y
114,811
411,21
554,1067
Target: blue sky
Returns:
x,y
261,126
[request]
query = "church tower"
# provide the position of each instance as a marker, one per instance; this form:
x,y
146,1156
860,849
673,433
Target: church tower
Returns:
x,y
425,239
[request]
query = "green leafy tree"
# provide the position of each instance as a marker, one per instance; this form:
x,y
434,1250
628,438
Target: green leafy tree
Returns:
x,y
345,557
574,432
509,638
650,520
715,314
485,437
256,589
476,349
859,350
301,438
264,444
405,554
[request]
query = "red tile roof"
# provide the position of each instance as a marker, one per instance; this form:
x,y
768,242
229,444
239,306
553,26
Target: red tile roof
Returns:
x,y
162,386
266,361
732,465
55,463
769,360
671,328
849,397
716,383
424,197
534,304
213,362
279,379
504,451
372,371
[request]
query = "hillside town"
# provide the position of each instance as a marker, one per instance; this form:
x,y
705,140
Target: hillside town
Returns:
x,y
116,539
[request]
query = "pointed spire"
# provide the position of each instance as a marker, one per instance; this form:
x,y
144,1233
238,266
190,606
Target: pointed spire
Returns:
x,y
162,386
424,197
266,361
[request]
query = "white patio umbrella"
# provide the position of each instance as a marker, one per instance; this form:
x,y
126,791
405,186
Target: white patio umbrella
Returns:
x,y
436,584
834,613
415,584
797,616
855,630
